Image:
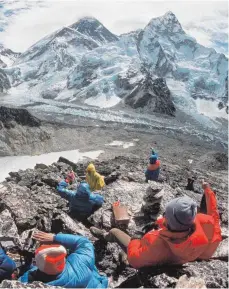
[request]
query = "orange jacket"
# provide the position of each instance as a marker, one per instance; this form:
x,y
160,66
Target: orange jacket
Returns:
x,y
165,247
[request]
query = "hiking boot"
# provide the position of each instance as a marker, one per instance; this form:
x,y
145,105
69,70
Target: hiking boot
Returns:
x,y
98,233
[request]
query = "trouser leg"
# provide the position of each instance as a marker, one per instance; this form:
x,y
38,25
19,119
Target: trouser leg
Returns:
x,y
120,237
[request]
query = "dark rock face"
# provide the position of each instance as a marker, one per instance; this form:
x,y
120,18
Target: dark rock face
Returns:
x,y
4,81
28,201
18,115
153,96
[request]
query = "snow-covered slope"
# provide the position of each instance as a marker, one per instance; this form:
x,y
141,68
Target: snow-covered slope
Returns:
x,y
171,53
7,56
86,63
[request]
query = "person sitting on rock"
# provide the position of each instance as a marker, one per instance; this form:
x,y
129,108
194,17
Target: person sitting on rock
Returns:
x,y
7,266
184,235
153,169
94,179
68,261
82,202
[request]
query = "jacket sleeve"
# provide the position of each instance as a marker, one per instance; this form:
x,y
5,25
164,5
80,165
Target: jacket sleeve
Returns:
x,y
96,199
141,252
212,210
78,244
7,265
65,193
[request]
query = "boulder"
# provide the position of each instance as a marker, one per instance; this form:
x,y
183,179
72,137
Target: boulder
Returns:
x,y
185,282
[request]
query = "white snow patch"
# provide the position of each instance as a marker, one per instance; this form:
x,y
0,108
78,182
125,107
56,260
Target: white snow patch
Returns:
x,y
15,163
190,161
103,101
117,143
210,109
6,60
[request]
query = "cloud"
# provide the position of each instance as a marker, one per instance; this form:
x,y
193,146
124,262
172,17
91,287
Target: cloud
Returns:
x,y
204,20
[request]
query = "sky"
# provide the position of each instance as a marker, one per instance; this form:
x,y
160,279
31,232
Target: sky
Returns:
x,y
25,22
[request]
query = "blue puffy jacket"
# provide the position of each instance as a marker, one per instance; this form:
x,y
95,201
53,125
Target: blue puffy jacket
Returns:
x,y
80,270
7,266
81,202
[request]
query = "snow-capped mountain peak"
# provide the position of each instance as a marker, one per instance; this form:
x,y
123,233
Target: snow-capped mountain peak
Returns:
x,y
86,63
168,23
91,27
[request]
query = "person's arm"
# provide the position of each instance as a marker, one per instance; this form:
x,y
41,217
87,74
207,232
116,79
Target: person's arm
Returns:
x,y
65,193
96,199
212,209
144,252
7,265
77,244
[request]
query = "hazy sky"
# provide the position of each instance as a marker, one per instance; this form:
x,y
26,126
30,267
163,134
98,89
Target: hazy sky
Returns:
x,y
25,22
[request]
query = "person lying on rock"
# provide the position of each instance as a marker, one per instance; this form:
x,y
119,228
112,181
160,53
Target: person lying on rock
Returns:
x,y
153,169
183,235
7,266
94,179
82,202
67,261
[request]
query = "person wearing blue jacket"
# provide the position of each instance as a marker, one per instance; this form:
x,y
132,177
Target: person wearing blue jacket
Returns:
x,y
153,170
82,202
7,266
55,267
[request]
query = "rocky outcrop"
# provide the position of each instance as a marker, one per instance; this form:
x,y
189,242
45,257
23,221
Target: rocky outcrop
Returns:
x,y
152,96
20,132
18,115
28,200
4,81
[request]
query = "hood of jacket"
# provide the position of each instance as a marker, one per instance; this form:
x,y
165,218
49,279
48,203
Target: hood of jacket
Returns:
x,y
83,190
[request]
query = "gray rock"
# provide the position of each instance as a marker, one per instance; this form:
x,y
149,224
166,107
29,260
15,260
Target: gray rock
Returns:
x,y
221,252
8,227
17,284
40,166
185,282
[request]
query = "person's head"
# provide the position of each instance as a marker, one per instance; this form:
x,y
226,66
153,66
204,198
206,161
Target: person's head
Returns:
x,y
180,214
83,190
70,178
153,159
50,259
90,169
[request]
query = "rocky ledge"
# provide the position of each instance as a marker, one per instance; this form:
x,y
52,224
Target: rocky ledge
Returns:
x,y
28,200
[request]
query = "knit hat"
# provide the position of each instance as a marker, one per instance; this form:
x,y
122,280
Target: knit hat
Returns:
x,y
153,159
180,213
50,259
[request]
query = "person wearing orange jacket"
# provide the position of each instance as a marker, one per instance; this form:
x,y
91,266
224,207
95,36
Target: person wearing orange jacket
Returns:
x,y
183,235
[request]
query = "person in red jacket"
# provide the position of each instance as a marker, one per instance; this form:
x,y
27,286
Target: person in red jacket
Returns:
x,y
183,235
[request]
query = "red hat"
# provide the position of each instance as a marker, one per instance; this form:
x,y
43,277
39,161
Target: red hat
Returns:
x,y
50,259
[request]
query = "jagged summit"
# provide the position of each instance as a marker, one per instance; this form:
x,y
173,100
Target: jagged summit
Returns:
x,y
93,28
167,23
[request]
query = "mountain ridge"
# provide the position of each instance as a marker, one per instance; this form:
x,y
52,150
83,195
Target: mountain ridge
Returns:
x,y
85,61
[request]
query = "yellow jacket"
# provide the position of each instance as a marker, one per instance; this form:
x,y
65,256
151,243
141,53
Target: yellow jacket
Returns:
x,y
94,179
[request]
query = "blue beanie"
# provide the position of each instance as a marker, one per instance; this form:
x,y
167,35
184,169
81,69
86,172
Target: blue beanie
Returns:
x,y
153,159
180,213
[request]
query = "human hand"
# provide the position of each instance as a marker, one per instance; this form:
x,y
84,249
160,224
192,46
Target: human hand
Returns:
x,y
43,237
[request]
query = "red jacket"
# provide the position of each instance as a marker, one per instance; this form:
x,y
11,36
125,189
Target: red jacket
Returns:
x,y
165,247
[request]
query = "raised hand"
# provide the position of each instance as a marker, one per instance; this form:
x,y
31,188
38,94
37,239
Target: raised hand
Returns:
x,y
43,237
